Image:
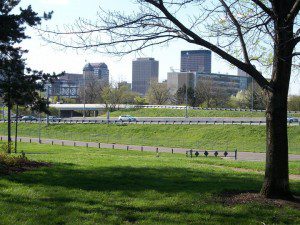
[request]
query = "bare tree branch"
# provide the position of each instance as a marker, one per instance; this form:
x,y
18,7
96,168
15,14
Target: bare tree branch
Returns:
x,y
250,69
294,11
264,8
239,31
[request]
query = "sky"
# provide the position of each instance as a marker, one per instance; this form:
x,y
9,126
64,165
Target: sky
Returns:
x,y
51,58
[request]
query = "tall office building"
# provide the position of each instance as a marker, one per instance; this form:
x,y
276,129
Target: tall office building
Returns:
x,y
196,61
99,70
144,70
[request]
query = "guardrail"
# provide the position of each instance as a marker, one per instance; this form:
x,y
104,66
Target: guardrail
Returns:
x,y
201,108
169,121
152,121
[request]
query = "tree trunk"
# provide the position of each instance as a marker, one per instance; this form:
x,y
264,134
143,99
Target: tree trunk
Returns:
x,y
276,182
8,128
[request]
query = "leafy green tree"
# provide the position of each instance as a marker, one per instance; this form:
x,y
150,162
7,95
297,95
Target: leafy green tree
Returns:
x,y
140,101
294,103
18,85
184,96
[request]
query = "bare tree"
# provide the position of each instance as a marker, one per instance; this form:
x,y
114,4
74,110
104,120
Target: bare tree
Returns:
x,y
158,93
241,32
116,95
204,92
91,91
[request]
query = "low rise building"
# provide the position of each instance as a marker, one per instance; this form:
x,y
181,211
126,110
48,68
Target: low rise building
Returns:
x,y
177,80
231,84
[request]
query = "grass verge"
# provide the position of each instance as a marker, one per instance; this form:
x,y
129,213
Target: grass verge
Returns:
x,y
181,113
210,137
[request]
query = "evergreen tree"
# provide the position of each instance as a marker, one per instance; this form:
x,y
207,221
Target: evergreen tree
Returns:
x,y
18,84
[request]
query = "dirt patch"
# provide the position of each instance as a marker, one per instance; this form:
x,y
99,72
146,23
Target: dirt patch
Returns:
x,y
234,198
10,164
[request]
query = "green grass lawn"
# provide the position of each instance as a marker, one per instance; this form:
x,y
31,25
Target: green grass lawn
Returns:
x,y
210,137
181,113
101,186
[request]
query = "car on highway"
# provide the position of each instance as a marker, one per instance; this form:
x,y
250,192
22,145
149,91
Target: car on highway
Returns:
x,y
292,120
127,118
54,119
14,116
29,118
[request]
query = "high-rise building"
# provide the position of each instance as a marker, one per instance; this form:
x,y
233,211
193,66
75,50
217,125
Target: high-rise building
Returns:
x,y
195,61
177,80
99,70
144,70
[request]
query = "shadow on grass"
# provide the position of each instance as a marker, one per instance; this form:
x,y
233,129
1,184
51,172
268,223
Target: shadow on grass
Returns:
x,y
129,194
129,179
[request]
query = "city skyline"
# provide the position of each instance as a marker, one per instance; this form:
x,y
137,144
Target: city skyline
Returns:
x,y
51,58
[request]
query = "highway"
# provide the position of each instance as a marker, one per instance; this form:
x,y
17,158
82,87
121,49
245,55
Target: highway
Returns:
x,y
164,120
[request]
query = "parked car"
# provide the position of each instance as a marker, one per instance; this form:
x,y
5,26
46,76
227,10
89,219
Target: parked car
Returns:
x,y
127,118
29,118
54,119
292,120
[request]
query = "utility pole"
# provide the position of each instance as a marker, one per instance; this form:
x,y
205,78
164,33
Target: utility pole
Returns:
x,y
40,120
47,117
252,95
84,92
186,102
40,127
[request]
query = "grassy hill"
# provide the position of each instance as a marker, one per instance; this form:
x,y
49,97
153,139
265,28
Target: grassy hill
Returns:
x,y
181,113
210,137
